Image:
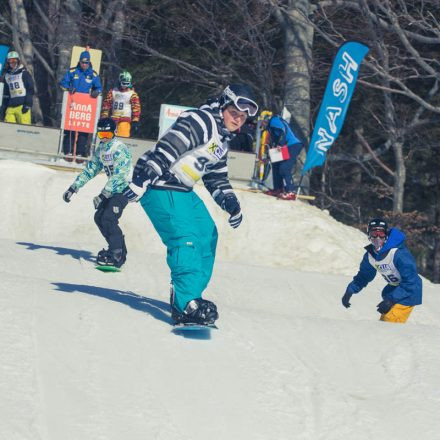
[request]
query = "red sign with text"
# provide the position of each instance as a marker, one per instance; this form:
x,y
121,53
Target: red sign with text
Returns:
x,y
80,112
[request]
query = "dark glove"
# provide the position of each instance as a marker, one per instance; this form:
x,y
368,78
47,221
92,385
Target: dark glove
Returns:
x,y
69,193
71,90
100,198
235,220
385,306
135,127
94,93
231,205
133,192
143,176
346,298
25,109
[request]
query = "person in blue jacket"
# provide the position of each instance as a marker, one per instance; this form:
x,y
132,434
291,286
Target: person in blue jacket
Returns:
x,y
81,79
280,135
388,255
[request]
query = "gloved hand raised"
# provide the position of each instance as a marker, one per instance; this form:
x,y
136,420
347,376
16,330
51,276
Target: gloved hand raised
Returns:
x,y
94,93
346,298
385,306
69,193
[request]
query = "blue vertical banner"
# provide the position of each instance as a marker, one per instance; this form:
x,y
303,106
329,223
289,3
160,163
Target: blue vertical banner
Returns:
x,y
334,106
3,52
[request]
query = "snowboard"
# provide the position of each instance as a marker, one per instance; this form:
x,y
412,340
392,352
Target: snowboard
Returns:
x,y
193,330
108,268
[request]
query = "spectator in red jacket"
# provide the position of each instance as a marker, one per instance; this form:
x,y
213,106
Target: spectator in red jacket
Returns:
x,y
122,104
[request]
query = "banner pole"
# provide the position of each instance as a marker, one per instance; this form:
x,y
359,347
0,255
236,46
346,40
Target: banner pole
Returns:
x,y
298,192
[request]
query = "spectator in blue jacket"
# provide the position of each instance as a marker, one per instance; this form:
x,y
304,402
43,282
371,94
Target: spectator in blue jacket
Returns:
x,y
388,255
81,79
281,135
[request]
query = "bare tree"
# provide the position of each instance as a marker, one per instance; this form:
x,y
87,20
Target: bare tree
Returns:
x,y
298,44
69,35
398,64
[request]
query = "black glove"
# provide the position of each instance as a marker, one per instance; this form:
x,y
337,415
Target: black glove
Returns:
x,y
230,204
143,176
134,192
71,90
25,109
94,93
385,306
346,298
69,193
135,127
235,220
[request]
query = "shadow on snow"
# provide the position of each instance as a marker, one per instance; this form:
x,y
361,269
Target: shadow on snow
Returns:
x,y
74,253
157,309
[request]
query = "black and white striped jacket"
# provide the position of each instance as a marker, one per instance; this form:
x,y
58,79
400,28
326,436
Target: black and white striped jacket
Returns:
x,y
195,147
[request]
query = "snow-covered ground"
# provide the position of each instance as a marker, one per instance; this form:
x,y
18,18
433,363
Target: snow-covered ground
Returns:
x,y
89,355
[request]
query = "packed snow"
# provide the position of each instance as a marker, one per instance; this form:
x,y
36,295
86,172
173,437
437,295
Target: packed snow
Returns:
x,y
91,355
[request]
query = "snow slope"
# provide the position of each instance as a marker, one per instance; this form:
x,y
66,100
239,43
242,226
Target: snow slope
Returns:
x,y
89,355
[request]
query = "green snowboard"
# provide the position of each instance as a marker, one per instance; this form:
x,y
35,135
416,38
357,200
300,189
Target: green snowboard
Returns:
x,y
108,268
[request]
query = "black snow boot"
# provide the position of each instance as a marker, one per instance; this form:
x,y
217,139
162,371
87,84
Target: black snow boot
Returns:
x,y
197,311
114,258
102,257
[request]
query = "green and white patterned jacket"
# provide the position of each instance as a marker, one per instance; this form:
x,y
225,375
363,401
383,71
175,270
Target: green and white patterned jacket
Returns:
x,y
115,158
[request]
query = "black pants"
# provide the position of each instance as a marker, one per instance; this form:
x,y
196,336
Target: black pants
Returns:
x,y
81,143
107,219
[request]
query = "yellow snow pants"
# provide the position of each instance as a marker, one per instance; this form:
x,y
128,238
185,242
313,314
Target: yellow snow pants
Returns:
x,y
15,115
398,314
124,129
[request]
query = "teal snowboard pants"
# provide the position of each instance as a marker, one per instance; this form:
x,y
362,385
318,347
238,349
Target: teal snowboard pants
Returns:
x,y
190,235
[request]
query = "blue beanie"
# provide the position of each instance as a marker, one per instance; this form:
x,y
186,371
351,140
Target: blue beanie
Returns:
x,y
85,56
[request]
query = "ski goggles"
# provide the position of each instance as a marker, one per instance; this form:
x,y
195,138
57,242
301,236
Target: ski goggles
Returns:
x,y
242,103
105,134
377,234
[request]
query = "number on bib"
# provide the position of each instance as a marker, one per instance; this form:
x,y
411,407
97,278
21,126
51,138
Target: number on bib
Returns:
x,y
200,164
391,279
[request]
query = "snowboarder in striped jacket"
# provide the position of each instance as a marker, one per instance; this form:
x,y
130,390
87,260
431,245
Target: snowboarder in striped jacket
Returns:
x,y
194,148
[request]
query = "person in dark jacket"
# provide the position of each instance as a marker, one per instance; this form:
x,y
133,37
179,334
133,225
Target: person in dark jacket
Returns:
x,y
281,135
19,93
388,255
80,79
244,138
